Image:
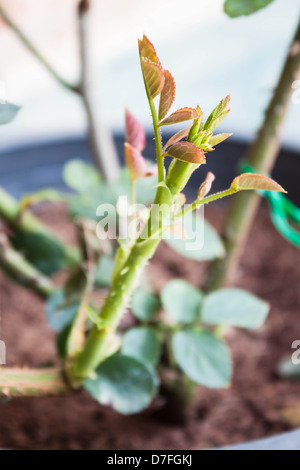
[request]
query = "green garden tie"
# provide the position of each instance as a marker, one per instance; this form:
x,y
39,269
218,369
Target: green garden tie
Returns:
x,y
282,212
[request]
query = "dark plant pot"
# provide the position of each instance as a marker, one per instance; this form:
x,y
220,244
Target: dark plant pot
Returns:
x,y
33,167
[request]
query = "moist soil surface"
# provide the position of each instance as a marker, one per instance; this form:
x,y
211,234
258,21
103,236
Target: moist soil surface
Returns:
x,y
251,408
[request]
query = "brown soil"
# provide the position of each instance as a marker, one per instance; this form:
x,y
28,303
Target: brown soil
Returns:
x,y
250,409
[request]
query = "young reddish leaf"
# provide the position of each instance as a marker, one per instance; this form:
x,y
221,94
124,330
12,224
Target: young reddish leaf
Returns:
x,y
147,50
135,162
167,96
183,114
177,137
135,134
187,152
218,138
154,77
206,185
257,182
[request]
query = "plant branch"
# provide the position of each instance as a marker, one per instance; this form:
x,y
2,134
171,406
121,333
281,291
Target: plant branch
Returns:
x,y
28,223
103,149
158,142
17,267
76,336
206,200
262,157
28,44
17,382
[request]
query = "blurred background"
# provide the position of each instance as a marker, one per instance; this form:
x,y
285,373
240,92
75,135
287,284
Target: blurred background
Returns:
x,y
209,54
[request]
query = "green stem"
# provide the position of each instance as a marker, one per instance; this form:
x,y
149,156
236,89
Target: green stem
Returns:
x,y
262,157
32,382
17,267
126,279
157,136
118,298
206,200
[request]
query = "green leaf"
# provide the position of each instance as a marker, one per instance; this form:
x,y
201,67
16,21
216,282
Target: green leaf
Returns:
x,y
144,305
218,114
203,357
76,284
43,251
235,307
62,340
123,383
182,301
8,112
142,344
81,176
60,311
104,271
235,8
208,247
85,204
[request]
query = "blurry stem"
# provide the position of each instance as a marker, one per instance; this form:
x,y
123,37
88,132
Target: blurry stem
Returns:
x,y
35,52
206,200
16,266
32,382
28,223
103,150
262,157
76,336
132,191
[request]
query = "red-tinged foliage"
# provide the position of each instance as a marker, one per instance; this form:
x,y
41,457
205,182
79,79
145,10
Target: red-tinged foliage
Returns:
x,y
148,51
181,115
254,181
154,77
167,96
135,134
187,152
206,185
136,163
177,137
